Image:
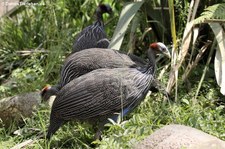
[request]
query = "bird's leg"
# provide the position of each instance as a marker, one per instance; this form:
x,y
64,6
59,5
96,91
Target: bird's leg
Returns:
x,y
98,134
98,129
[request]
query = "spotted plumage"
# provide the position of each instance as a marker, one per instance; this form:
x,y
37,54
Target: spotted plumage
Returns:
x,y
88,60
93,36
100,94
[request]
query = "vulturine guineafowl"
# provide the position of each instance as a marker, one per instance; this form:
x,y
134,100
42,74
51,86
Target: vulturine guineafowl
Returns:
x,y
100,94
94,35
88,60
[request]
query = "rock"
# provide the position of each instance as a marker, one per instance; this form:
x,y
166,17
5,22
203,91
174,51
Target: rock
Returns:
x,y
12,109
178,137
51,100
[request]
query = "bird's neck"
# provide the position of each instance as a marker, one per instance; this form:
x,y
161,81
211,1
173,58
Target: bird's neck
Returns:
x,y
150,69
50,92
99,18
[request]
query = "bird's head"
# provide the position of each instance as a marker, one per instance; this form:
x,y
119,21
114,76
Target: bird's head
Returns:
x,y
160,48
105,8
44,93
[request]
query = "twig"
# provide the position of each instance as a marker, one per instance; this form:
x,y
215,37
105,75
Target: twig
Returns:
x,y
23,144
205,69
29,52
195,36
27,143
214,21
147,30
191,66
110,20
163,71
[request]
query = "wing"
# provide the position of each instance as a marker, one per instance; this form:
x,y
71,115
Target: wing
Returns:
x,y
82,62
96,94
89,38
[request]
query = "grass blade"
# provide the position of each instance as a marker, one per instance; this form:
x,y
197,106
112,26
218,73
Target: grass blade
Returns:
x,y
186,41
172,23
174,73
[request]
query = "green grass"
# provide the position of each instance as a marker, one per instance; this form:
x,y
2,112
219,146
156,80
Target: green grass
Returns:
x,y
152,114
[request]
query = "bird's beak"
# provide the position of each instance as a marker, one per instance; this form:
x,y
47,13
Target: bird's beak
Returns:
x,y
167,53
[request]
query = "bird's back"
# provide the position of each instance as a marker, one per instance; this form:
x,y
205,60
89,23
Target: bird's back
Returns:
x,y
88,60
101,93
92,36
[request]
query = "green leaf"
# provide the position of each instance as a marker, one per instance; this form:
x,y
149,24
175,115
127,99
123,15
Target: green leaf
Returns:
x,y
212,12
128,12
185,101
219,63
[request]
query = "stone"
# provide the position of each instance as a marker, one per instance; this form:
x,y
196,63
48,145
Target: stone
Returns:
x,y
179,137
13,109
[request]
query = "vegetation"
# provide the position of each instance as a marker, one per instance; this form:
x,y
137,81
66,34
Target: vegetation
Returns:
x,y
35,41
